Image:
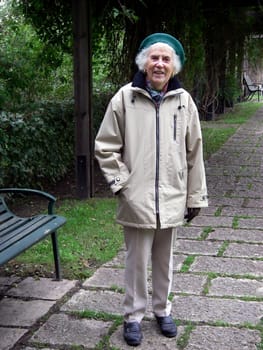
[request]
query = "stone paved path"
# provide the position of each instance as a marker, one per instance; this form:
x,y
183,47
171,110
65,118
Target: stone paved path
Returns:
x,y
218,280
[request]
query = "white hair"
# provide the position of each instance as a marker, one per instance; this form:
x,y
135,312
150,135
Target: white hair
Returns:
x,y
142,57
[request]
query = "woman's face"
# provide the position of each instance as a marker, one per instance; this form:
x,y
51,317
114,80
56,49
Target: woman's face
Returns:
x,y
159,65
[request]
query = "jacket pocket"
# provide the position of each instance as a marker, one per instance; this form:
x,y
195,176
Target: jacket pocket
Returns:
x,y
175,126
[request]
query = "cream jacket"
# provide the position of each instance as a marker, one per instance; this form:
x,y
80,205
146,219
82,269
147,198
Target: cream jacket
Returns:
x,y
152,156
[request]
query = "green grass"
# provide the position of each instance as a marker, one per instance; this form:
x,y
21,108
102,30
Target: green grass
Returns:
x,y
216,133
91,237
184,337
187,263
213,139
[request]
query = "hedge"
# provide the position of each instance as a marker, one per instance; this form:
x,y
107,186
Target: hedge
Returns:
x,y
37,144
36,147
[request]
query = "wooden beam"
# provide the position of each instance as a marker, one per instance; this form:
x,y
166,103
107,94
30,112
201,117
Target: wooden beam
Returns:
x,y
83,96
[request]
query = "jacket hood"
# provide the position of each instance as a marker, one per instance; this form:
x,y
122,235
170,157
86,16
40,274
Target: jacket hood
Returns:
x,y
139,81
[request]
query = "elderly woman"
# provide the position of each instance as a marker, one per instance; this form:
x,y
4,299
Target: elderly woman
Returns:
x,y
149,148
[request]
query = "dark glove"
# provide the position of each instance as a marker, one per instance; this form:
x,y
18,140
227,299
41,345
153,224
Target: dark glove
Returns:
x,y
191,213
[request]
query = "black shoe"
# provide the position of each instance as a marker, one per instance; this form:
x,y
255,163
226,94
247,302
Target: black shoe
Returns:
x,y
167,326
132,333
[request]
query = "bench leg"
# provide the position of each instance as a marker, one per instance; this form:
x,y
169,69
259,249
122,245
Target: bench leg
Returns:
x,y
56,255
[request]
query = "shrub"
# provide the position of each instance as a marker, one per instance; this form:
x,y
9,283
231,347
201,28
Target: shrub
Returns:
x,y
99,102
37,146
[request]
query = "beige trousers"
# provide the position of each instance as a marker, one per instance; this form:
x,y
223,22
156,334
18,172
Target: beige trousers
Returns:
x,y
141,245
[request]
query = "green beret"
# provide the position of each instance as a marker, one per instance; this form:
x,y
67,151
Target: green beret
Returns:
x,y
167,39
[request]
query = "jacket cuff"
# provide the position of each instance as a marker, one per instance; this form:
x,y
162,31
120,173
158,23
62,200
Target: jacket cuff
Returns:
x,y
197,201
116,184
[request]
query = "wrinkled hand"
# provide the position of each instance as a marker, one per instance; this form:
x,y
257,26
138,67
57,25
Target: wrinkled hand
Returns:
x,y
191,213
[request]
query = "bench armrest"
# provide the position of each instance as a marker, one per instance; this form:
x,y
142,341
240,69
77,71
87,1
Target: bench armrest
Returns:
x,y
254,84
51,199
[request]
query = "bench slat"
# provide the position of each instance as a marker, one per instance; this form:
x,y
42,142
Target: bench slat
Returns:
x,y
5,216
14,227
30,239
11,224
2,207
20,233
44,223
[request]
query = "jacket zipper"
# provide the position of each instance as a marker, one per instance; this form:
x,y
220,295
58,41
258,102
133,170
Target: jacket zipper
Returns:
x,y
175,120
157,160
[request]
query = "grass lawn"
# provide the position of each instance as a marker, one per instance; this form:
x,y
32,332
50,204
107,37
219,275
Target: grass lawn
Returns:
x,y
90,236
216,133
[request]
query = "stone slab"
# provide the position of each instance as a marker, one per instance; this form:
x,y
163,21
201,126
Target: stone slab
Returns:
x,y
100,301
106,278
214,192
178,260
223,201
9,336
197,247
189,232
216,171
61,329
188,283
224,234
113,278
211,210
235,170
225,286
254,203
8,281
250,223
244,250
3,290
255,181
250,212
207,309
223,338
207,221
43,288
104,301
246,193
20,313
30,348
230,266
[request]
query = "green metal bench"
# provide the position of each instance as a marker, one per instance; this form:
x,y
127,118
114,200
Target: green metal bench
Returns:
x,y
19,233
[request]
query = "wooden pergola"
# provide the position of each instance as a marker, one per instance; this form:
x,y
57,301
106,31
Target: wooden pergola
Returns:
x,y
82,95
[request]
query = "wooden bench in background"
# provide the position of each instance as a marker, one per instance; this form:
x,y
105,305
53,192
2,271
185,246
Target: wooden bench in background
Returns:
x,y
19,233
251,88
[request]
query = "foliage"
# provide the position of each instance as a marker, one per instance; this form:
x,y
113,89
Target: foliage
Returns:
x,y
215,137
36,136
51,19
254,47
30,70
37,146
214,57
100,102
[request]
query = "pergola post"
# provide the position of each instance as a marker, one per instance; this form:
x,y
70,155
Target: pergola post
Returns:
x,y
83,96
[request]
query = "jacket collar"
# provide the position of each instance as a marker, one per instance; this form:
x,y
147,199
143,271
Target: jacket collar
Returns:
x,y
139,81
